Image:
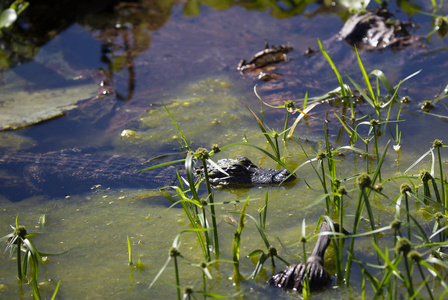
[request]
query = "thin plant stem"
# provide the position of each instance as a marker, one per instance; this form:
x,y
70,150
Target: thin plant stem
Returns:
x,y
207,236
426,283
307,280
375,135
408,219
444,200
19,259
176,270
212,209
286,125
352,241
408,274
324,184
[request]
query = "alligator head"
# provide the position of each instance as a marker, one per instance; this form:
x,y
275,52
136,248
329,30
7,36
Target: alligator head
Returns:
x,y
241,171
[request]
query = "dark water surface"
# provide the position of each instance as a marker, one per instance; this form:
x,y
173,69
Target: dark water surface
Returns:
x,y
133,57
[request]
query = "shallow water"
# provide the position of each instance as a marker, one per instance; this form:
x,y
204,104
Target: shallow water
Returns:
x,y
189,62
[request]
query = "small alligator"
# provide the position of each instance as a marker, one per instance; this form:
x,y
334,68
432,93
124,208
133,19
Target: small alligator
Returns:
x,y
241,171
268,56
73,171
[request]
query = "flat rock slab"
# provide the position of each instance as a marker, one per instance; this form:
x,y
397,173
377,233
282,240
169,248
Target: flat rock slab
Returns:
x,y
21,108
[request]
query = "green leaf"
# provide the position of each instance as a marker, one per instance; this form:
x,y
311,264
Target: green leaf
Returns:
x,y
7,17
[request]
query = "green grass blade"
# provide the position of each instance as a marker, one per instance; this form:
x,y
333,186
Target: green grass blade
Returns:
x,y
261,231
160,272
364,95
129,251
366,77
56,290
335,70
162,165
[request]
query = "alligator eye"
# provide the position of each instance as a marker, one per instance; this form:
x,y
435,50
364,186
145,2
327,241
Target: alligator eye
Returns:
x,y
238,168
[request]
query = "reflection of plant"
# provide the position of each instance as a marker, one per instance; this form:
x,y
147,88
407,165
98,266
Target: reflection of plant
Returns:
x,y
9,15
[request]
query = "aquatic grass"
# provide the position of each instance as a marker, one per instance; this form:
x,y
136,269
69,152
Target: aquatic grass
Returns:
x,y
290,109
185,144
411,260
173,254
425,176
375,100
271,252
404,193
130,263
190,206
437,144
396,271
343,87
203,155
139,265
237,277
42,222
193,203
271,137
365,184
306,291
330,171
20,241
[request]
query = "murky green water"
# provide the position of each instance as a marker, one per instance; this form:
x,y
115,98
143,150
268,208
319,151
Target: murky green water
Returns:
x,y
188,63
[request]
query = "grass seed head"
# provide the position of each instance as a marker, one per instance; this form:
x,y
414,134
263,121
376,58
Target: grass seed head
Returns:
x,y
364,181
378,187
20,231
403,246
289,105
437,143
342,190
442,26
272,251
414,256
373,122
201,153
438,215
404,188
425,176
395,224
215,148
188,290
174,252
321,155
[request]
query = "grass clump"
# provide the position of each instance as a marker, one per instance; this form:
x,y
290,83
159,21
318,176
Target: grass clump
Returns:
x,y
27,256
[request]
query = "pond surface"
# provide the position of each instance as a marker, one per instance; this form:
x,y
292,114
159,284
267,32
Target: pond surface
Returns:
x,y
112,67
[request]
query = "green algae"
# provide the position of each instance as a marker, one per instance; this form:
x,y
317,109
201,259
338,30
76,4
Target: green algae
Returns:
x,y
208,111
93,231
